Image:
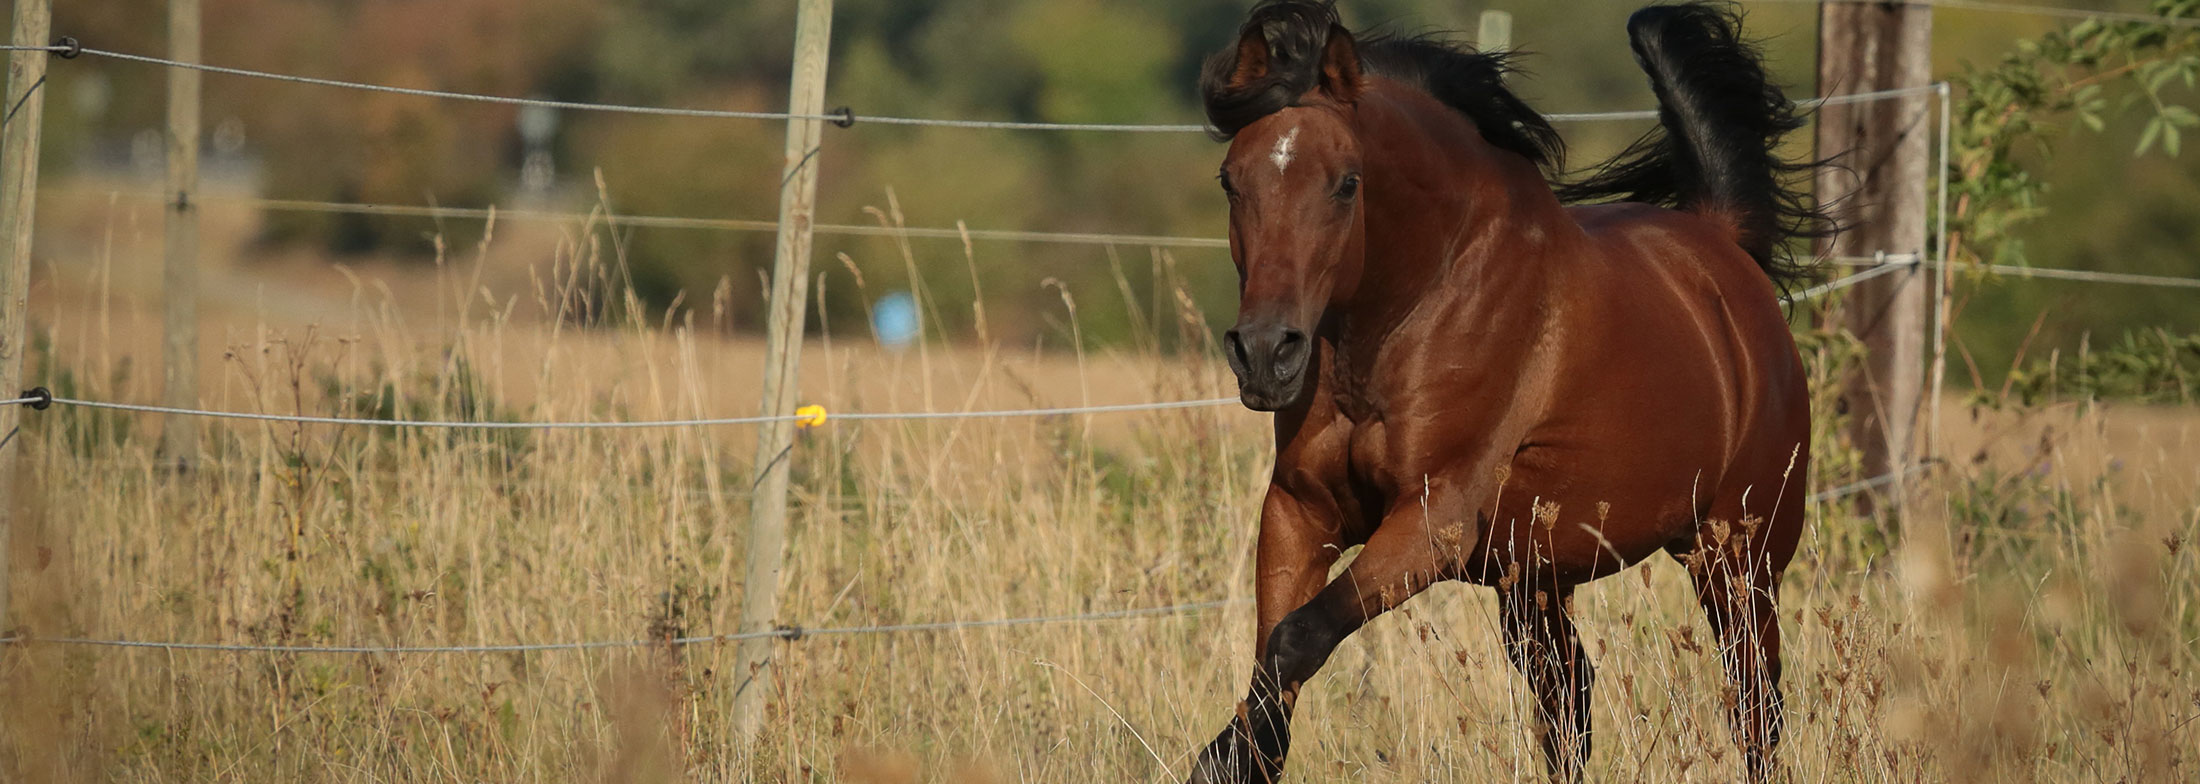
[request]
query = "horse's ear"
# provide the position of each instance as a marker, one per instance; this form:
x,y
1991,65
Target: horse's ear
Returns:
x,y
1341,66
1252,58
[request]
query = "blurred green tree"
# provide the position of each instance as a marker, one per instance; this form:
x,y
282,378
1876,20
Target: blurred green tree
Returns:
x,y
1068,60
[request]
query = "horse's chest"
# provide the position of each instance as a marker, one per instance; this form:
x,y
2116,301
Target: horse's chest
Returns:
x,y
1364,475
1365,452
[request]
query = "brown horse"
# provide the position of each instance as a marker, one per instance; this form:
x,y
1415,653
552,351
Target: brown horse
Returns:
x,y
1477,382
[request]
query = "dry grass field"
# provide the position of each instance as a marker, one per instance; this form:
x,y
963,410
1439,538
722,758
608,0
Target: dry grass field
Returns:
x,y
2034,617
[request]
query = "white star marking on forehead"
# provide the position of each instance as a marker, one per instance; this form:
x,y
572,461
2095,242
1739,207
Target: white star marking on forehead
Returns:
x,y
1282,153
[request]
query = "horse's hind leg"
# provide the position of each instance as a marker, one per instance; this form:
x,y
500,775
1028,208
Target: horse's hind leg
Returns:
x,y
1541,642
1736,569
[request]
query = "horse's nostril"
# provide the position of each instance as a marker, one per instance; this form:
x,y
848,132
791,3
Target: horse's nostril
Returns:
x,y
1290,347
1234,344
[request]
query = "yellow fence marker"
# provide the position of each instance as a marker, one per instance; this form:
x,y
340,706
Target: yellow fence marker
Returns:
x,y
811,416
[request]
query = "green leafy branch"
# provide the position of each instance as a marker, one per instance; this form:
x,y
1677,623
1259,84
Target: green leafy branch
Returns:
x,y
2090,72
2154,366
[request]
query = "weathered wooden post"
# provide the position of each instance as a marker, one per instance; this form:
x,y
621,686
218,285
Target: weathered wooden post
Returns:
x,y
1880,186
179,438
790,287
26,102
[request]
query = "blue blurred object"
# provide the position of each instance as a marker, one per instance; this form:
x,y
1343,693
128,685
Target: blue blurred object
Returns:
x,y
894,320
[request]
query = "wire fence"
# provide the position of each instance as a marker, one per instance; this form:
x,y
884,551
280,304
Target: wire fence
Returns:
x,y
820,416
2091,276
1885,264
723,114
1881,265
1073,238
847,117
789,633
1895,261
1882,480
1877,266
682,222
1888,265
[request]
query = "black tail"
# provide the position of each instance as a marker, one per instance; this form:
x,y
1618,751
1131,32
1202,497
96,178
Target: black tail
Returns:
x,y
1721,120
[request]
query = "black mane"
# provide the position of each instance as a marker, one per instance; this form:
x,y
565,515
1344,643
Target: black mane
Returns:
x,y
1470,82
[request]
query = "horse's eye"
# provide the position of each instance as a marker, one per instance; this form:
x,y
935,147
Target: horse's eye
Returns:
x,y
1227,190
1348,188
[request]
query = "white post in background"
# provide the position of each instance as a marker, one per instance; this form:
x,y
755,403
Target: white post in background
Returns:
x,y
775,440
1495,33
179,438
25,109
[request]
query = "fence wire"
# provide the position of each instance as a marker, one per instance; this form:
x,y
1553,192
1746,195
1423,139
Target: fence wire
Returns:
x,y
2090,276
720,224
848,117
1888,264
1007,235
1885,265
459,96
1900,260
790,633
1853,488
854,416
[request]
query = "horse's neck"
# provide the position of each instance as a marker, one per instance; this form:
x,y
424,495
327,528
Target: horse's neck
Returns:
x,y
1476,237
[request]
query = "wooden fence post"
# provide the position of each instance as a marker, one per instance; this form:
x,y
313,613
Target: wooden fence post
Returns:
x,y
26,106
1880,148
767,542
180,278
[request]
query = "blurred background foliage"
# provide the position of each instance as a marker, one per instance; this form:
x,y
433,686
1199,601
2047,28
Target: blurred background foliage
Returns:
x,y
1058,60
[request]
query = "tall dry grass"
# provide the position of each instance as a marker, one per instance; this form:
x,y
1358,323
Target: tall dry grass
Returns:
x,y
2031,618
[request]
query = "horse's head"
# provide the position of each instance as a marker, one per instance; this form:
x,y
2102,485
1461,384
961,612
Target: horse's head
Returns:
x,y
1284,96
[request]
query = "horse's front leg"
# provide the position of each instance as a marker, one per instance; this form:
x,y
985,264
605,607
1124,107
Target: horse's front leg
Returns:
x,y
1399,561
1296,550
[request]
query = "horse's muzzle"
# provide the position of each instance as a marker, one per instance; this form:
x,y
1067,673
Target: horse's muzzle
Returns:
x,y
1270,362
